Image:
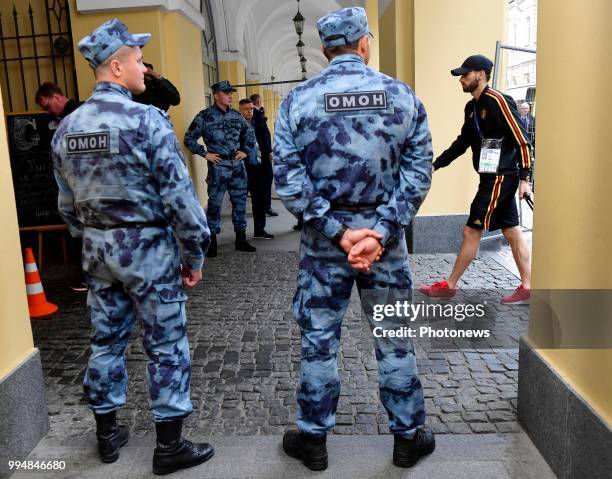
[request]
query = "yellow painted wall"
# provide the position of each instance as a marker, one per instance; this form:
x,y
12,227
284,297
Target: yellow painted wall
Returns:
x,y
27,50
405,40
387,45
445,33
174,49
180,46
371,7
251,90
15,330
421,41
235,73
571,240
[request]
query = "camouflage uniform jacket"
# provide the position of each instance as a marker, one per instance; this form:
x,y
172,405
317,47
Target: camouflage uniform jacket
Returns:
x,y
117,161
223,132
352,136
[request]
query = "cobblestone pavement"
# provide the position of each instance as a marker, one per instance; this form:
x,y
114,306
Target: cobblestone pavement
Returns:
x,y
245,352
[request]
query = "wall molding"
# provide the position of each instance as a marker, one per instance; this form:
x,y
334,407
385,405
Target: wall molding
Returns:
x,y
184,7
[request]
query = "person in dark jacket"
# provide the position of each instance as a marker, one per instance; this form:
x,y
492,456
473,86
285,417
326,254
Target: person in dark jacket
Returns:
x,y
51,99
255,178
160,92
264,140
501,155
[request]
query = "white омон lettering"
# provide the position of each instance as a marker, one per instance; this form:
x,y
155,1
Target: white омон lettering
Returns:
x,y
378,99
348,101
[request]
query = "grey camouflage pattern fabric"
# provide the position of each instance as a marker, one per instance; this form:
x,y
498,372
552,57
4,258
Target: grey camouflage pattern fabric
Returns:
x,y
343,27
107,39
378,161
224,133
134,272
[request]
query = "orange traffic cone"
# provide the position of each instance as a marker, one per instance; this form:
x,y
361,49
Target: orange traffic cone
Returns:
x,y
37,301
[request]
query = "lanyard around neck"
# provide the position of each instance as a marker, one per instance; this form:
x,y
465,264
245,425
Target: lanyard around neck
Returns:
x,y
476,120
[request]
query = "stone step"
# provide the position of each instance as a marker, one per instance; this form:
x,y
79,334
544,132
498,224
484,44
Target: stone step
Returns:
x,y
456,456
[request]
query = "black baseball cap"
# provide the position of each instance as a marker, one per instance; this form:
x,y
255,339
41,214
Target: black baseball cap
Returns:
x,y
475,63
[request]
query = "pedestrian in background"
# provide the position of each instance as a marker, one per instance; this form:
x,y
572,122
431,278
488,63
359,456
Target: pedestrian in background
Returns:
x,y
159,91
264,140
255,178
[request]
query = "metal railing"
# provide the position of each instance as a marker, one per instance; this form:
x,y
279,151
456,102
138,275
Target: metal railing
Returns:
x,y
50,48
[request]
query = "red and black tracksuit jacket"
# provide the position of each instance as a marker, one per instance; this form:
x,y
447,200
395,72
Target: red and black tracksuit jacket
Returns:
x,y
497,118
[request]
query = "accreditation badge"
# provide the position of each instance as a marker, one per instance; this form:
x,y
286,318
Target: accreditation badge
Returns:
x,y
490,153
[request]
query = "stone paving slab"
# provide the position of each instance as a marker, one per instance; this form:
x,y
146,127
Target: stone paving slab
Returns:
x,y
245,354
456,456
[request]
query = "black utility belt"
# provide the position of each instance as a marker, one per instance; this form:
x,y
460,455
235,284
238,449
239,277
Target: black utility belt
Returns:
x,y
134,224
354,207
226,157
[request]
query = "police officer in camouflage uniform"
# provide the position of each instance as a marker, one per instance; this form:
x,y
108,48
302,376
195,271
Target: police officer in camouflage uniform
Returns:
x,y
124,187
229,140
352,158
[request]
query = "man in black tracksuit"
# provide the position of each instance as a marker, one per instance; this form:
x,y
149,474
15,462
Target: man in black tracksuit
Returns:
x,y
490,117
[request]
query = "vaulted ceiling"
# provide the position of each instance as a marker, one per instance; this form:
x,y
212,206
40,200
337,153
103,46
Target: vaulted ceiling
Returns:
x,y
261,34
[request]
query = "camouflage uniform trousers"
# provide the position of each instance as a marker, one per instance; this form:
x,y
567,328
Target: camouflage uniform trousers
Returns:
x,y
325,281
230,176
135,273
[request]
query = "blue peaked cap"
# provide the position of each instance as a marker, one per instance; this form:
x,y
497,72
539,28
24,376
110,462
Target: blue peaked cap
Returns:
x,y
107,39
343,27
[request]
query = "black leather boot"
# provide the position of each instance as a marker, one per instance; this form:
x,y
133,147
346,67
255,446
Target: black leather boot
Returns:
x,y
110,436
406,452
242,244
211,252
312,451
173,452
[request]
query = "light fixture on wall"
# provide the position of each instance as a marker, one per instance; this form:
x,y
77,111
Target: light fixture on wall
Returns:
x,y
298,21
303,63
300,47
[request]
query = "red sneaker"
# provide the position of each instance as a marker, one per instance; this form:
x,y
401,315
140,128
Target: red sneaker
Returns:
x,y
520,296
438,290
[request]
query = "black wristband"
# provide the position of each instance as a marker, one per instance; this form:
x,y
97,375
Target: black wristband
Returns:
x,y
338,236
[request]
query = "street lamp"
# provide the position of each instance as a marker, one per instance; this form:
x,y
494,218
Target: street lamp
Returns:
x,y
303,63
300,47
298,21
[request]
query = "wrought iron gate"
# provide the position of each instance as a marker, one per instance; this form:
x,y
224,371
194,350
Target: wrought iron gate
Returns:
x,y
47,49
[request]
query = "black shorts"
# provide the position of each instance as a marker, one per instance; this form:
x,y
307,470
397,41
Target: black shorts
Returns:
x,y
494,205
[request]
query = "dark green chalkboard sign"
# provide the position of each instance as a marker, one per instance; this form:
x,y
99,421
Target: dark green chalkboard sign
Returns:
x,y
29,139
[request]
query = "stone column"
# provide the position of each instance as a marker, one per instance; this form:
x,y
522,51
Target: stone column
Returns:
x,y
565,366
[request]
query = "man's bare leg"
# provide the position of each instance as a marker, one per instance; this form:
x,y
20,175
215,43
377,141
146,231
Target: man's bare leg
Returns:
x,y
467,253
520,251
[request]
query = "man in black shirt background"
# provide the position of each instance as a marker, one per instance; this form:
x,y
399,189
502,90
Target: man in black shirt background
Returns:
x,y
51,99
264,140
159,91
